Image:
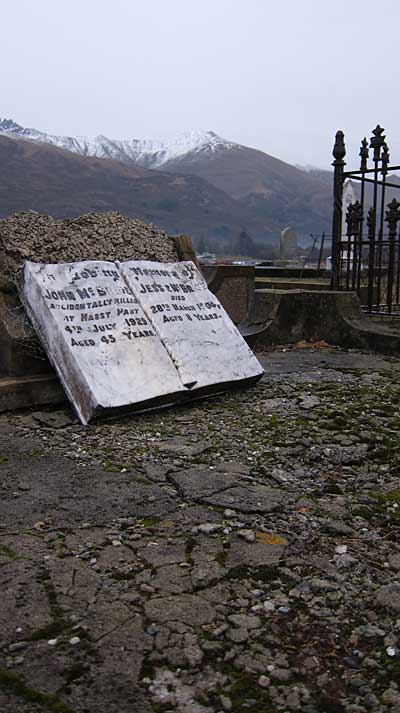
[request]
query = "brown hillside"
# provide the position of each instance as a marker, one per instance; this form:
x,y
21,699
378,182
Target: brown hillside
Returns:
x,y
272,189
51,180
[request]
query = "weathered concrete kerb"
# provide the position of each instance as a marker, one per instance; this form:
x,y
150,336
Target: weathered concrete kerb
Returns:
x,y
269,317
239,555
286,317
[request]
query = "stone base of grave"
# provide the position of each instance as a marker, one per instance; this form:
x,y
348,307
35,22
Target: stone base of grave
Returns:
x,y
26,376
25,391
287,317
20,351
233,285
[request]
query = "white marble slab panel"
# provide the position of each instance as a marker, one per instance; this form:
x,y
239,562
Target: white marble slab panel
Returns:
x,y
200,337
97,336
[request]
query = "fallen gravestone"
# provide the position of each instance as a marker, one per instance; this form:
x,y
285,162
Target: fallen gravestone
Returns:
x,y
137,334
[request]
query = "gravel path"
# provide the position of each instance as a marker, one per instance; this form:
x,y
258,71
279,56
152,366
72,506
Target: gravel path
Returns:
x,y
241,554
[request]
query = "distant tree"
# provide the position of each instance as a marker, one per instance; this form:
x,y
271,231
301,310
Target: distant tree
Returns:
x,y
201,246
168,204
267,251
245,245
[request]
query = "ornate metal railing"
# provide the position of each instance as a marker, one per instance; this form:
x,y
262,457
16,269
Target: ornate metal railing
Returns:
x,y
366,245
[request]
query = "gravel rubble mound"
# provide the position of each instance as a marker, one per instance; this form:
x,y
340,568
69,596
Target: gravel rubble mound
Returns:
x,y
95,236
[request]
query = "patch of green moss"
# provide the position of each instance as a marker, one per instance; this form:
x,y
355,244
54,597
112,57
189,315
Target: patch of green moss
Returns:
x,y
149,521
221,557
111,468
333,488
239,572
392,668
265,574
384,507
11,683
8,552
244,687
3,459
123,576
328,426
45,580
300,422
188,551
77,670
50,631
62,550
391,500
160,707
216,508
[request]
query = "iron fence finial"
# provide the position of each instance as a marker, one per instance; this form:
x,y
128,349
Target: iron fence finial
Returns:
x,y
364,154
393,213
377,141
385,159
339,149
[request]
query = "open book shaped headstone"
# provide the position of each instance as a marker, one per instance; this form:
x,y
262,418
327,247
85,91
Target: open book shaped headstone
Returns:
x,y
133,335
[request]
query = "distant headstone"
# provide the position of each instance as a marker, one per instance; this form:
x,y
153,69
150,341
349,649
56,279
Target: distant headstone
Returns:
x,y
349,197
288,244
136,334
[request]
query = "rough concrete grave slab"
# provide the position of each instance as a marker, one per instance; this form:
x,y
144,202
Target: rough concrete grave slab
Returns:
x,y
228,491
133,334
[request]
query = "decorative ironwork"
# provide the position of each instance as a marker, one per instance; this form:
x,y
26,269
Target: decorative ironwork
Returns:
x,y
354,218
364,153
368,264
377,142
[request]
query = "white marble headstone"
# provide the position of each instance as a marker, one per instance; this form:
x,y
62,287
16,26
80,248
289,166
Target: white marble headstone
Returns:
x,y
136,334
349,197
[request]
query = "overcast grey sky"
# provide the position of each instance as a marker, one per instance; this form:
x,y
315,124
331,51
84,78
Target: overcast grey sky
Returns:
x,y
278,75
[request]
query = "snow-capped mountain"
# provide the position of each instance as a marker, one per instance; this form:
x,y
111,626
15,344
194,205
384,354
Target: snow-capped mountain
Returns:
x,y
144,152
269,192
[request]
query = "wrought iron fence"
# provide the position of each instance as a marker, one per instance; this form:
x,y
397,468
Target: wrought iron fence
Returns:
x,y
366,252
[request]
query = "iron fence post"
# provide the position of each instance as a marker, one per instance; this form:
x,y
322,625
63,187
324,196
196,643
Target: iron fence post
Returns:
x,y
392,218
339,152
321,250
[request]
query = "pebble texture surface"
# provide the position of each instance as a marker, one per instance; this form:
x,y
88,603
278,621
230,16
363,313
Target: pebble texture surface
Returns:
x,y
239,555
95,236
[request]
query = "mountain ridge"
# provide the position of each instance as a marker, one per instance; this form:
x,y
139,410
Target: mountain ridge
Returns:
x,y
271,193
149,153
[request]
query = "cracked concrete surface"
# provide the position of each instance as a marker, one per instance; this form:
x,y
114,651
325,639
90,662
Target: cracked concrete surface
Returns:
x,y
239,555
